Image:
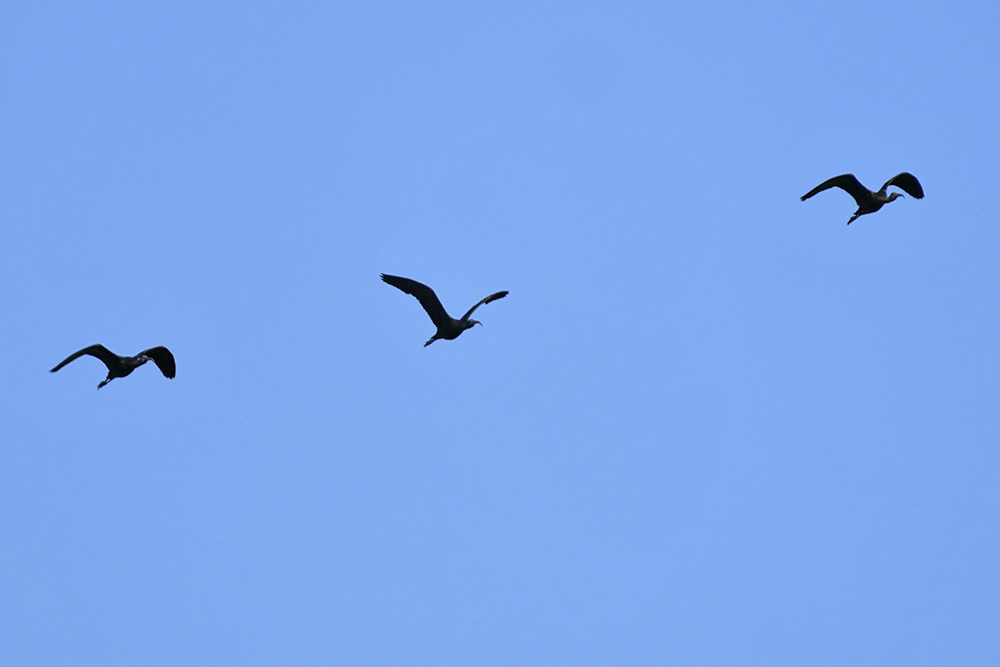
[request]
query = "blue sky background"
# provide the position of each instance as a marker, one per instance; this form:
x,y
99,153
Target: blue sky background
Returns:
x,y
711,424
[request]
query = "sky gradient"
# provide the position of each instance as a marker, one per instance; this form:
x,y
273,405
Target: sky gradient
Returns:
x,y
710,425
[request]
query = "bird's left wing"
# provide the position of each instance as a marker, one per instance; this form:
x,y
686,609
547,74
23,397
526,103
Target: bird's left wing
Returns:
x,y
109,358
846,182
425,295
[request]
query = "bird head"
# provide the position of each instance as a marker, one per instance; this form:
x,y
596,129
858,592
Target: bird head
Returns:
x,y
894,195
473,323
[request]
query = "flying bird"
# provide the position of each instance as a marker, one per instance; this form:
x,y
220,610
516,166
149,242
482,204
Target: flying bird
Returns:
x,y
868,201
447,326
119,367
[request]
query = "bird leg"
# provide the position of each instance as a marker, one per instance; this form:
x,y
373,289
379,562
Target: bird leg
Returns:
x,y
106,380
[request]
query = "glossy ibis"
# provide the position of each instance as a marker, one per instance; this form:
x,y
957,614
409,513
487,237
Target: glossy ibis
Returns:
x,y
119,367
447,326
868,201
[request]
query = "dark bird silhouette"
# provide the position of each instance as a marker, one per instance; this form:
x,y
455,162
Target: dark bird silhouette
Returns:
x,y
868,201
119,367
447,326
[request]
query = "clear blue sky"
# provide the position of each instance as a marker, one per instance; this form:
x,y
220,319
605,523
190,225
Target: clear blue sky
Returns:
x,y
711,424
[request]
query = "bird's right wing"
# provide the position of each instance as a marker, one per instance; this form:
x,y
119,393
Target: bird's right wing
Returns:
x,y
491,297
906,182
104,354
425,295
846,182
163,359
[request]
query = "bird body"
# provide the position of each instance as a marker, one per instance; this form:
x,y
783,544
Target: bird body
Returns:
x,y
119,367
868,201
448,327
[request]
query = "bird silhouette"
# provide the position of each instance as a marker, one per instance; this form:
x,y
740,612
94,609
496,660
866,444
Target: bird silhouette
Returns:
x,y
119,367
868,201
448,327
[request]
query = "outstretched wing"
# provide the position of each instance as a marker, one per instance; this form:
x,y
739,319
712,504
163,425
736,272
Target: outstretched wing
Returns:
x,y
163,359
425,295
491,297
109,358
906,182
846,182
